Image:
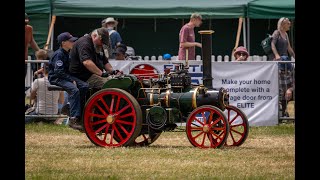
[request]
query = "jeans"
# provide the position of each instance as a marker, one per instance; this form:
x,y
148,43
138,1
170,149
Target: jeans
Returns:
x,y
285,66
76,94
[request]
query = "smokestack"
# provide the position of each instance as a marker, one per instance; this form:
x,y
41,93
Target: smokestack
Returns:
x,y
206,40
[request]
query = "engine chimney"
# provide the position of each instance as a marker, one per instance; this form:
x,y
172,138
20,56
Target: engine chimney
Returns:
x,y
206,40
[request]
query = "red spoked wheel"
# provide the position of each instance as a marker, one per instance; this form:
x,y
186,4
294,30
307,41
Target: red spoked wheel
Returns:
x,y
112,118
145,71
207,127
239,126
146,139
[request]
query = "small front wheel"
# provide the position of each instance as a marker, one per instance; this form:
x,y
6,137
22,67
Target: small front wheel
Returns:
x,y
207,127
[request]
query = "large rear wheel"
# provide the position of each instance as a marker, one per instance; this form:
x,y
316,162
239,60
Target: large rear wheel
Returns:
x,y
112,117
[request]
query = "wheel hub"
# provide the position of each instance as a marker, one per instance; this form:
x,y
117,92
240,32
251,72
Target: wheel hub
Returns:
x,y
206,128
110,119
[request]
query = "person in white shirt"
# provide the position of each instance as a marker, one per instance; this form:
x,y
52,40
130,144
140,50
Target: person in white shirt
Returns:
x,y
45,102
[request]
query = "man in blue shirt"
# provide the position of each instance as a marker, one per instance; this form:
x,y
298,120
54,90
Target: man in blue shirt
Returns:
x,y
59,75
115,39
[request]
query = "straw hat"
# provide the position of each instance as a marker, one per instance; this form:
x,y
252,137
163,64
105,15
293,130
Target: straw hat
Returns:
x,y
108,20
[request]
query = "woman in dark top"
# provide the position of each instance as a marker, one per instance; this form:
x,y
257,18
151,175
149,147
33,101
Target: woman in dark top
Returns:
x,y
281,49
280,41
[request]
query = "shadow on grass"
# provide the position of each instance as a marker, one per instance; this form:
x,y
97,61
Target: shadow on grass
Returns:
x,y
134,147
166,146
92,146
238,147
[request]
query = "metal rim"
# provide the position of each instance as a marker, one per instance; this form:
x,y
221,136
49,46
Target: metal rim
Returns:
x,y
151,97
239,129
112,118
223,98
209,133
194,97
167,98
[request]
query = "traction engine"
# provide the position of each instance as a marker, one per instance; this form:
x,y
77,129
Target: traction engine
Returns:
x,y
134,111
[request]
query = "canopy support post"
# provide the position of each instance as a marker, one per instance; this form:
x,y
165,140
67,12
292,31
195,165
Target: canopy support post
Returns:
x,y
244,33
248,37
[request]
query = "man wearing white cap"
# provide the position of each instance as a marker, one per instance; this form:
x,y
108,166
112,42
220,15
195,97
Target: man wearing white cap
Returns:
x,y
115,39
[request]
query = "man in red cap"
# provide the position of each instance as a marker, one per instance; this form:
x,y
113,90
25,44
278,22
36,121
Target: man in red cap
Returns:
x,y
28,39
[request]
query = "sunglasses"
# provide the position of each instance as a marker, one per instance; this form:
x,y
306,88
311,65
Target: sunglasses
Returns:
x,y
242,54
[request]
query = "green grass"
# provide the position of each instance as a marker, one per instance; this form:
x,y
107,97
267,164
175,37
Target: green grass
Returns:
x,y
58,152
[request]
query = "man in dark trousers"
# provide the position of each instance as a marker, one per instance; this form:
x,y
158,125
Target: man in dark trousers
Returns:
x,y
88,61
59,75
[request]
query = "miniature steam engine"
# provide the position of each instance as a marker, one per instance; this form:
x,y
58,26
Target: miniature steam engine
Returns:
x,y
132,111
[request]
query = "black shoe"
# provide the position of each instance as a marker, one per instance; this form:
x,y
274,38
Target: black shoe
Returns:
x,y
66,109
74,124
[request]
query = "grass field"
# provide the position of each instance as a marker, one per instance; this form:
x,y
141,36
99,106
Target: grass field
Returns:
x,y
58,152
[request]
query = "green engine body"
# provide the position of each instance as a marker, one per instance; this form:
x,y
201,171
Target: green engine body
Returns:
x,y
164,105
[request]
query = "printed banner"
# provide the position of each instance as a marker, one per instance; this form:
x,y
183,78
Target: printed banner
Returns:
x,y
252,87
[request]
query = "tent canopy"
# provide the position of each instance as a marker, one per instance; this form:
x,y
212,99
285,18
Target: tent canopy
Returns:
x,y
258,9
37,6
271,9
150,8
